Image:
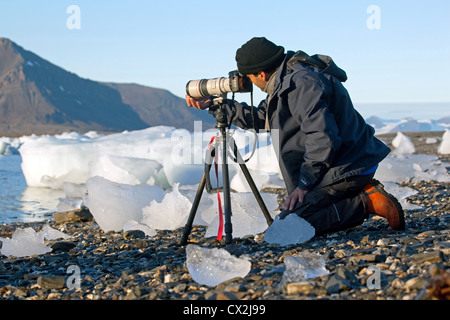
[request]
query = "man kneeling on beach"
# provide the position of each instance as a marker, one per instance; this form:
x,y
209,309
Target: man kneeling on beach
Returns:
x,y
328,154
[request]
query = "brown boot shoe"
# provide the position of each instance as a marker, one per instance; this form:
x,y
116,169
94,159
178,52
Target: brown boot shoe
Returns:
x,y
385,205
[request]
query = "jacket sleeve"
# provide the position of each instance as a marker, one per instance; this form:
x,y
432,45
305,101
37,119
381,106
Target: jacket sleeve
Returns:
x,y
308,106
240,114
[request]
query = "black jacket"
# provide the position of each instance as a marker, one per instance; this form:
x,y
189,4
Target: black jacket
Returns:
x,y
318,136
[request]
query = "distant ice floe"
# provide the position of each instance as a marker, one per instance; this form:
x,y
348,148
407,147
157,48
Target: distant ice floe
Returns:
x,y
408,125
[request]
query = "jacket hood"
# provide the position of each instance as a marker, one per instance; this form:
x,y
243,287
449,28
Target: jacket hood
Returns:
x,y
323,62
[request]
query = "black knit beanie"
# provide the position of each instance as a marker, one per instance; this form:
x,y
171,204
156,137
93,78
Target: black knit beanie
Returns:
x,y
258,54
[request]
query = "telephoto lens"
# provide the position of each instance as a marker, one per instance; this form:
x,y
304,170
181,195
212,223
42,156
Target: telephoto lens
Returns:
x,y
209,87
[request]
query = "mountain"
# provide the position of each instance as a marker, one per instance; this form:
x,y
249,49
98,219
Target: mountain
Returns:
x,y
39,97
160,107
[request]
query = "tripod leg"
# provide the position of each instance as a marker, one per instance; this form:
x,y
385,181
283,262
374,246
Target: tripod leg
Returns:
x,y
252,185
226,190
198,196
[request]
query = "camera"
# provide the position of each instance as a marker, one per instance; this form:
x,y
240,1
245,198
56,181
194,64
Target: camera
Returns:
x,y
236,82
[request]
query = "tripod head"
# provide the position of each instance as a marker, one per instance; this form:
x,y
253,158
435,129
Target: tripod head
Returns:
x,y
220,113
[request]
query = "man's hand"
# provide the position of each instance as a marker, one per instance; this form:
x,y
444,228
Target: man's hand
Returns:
x,y
295,197
199,103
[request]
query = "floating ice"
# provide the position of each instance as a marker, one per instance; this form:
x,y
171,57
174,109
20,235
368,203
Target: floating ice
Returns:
x,y
24,242
155,156
402,145
49,161
74,190
169,214
305,265
112,203
52,160
10,145
407,125
291,230
125,170
444,148
213,266
3,147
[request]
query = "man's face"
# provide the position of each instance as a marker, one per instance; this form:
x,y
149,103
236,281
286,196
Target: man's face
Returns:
x,y
258,80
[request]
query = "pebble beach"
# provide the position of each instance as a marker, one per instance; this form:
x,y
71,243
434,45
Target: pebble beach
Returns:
x,y
411,264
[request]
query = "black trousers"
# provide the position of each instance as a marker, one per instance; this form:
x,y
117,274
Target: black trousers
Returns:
x,y
335,207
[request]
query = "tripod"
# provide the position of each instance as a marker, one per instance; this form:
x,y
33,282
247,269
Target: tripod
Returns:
x,y
222,125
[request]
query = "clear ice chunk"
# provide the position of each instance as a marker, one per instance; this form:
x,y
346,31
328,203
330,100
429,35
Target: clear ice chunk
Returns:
x,y
213,266
53,234
304,266
169,214
113,203
24,242
291,230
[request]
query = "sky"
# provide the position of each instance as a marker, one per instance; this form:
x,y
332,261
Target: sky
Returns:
x,y
393,51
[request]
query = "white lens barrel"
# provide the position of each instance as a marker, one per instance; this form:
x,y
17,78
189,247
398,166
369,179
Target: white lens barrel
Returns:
x,y
204,87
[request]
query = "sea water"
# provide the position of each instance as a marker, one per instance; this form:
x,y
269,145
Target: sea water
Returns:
x,y
20,203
